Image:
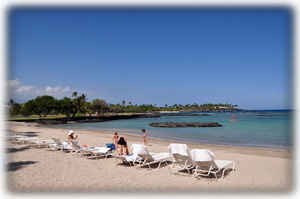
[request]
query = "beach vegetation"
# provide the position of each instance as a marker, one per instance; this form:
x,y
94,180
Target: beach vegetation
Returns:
x,y
41,105
13,108
99,106
78,105
66,106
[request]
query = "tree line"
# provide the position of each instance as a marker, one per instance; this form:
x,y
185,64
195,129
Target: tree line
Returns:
x,y
78,105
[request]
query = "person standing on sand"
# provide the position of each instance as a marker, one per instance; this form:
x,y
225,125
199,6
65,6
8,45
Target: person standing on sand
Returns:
x,y
145,138
122,146
115,139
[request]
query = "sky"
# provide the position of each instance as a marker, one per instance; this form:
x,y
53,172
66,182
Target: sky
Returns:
x,y
159,56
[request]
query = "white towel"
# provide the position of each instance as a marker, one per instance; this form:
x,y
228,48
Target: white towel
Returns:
x,y
101,149
139,149
181,149
65,145
132,157
202,155
161,156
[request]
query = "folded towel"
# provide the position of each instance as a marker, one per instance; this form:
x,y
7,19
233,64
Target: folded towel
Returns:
x,y
202,155
139,149
181,149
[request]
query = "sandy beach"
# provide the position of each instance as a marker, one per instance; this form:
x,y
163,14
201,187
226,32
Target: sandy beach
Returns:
x,y
37,170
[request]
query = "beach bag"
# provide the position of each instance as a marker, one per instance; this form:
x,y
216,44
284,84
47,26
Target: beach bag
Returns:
x,y
111,146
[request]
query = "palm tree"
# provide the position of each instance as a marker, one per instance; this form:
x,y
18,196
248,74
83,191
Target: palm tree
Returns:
x,y
79,102
74,94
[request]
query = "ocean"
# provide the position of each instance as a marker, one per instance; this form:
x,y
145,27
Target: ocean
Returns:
x,y
268,128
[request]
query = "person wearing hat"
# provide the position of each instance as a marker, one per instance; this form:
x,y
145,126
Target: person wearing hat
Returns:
x,y
71,136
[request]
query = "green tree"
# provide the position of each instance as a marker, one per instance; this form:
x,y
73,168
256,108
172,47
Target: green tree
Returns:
x,y
28,108
41,105
66,106
44,105
99,106
89,108
74,94
79,102
13,107
115,108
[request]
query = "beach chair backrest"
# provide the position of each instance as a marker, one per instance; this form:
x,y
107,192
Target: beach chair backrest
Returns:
x,y
202,155
139,149
180,149
183,160
204,159
57,141
181,154
142,151
75,144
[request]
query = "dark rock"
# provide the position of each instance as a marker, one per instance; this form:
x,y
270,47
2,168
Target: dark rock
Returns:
x,y
184,114
91,120
45,121
184,124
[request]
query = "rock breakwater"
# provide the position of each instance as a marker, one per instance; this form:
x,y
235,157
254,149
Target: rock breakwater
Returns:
x,y
184,124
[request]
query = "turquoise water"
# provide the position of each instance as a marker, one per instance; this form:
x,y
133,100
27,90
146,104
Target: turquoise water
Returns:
x,y
271,129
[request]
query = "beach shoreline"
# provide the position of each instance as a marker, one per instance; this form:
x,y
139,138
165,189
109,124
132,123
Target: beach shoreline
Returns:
x,y
269,151
258,170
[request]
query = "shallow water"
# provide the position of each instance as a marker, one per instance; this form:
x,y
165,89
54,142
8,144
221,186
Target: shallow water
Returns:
x,y
271,129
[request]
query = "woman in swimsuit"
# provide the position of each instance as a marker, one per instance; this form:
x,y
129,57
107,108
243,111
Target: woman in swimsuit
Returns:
x,y
115,139
122,146
71,137
145,137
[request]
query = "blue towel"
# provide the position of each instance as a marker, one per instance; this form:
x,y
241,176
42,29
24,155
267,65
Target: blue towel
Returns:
x,y
111,145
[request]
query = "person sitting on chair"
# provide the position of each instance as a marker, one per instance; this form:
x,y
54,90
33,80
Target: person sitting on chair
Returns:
x,y
71,137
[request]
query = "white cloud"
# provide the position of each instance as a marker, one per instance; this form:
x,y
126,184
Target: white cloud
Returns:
x,y
58,89
13,83
20,91
26,89
66,89
49,89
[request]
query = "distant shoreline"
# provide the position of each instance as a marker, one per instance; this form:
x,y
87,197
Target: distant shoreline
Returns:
x,y
110,117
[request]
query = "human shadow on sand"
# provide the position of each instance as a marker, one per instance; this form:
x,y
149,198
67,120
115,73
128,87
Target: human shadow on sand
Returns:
x,y
14,166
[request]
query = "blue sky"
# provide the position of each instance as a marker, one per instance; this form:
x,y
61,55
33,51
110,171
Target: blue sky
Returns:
x,y
153,56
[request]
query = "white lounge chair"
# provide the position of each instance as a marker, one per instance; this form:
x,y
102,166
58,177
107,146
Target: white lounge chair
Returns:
x,y
206,164
41,143
14,137
62,146
146,158
182,158
77,147
96,152
93,151
26,140
125,158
